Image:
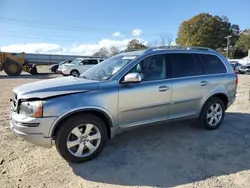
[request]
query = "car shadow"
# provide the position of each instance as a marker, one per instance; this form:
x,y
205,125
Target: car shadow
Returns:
x,y
172,154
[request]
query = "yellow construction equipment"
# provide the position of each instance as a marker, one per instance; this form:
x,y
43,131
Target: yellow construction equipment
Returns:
x,y
13,65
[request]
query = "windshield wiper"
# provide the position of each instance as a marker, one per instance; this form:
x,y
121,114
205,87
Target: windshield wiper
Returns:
x,y
87,78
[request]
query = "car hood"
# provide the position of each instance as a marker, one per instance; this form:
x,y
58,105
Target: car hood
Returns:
x,y
54,87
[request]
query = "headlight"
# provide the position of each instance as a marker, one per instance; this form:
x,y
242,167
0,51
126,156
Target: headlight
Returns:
x,y
32,109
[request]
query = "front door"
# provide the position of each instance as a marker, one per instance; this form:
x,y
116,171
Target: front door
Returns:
x,y
147,101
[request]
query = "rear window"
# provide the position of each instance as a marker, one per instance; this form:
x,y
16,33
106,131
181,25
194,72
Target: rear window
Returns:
x,y
213,64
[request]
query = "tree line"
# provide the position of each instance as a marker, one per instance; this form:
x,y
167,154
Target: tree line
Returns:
x,y
203,30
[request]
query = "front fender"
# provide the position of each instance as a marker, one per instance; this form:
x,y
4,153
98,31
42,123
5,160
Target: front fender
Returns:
x,y
81,109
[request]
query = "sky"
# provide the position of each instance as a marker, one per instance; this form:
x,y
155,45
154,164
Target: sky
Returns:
x,y
82,27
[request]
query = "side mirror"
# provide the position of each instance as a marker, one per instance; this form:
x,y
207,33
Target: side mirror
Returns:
x,y
133,77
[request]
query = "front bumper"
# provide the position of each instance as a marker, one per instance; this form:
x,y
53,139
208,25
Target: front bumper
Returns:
x,y
33,130
58,71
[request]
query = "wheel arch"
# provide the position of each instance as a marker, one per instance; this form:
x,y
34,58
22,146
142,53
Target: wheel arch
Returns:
x,y
221,95
103,114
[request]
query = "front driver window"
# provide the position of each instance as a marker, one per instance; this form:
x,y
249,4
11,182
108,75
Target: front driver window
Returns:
x,y
151,68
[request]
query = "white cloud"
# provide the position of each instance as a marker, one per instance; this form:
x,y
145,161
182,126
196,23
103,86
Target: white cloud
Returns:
x,y
33,48
89,49
76,48
118,34
136,32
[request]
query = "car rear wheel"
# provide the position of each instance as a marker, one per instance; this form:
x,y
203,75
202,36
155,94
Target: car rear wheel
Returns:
x,y
212,114
81,138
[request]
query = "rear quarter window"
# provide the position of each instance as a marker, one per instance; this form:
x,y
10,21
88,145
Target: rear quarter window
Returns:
x,y
213,65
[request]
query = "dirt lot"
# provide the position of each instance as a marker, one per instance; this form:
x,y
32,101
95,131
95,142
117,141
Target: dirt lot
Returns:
x,y
176,155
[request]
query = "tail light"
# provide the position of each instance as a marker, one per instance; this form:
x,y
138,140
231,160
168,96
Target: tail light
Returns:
x,y
237,79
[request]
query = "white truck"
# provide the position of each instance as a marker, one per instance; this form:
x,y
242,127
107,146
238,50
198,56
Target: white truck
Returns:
x,y
78,66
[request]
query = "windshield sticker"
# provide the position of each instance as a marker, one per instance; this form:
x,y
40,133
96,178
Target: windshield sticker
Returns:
x,y
128,57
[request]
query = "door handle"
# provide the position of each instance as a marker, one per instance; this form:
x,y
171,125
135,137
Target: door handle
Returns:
x,y
163,88
203,83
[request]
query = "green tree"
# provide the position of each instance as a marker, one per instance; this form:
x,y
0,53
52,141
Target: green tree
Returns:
x,y
244,42
207,30
135,44
238,53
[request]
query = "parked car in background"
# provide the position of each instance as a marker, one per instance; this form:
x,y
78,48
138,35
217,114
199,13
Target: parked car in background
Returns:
x,y
78,66
54,67
131,89
236,65
244,69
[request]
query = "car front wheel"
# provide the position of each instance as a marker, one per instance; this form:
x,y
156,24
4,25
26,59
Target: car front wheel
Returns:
x,y
81,138
74,73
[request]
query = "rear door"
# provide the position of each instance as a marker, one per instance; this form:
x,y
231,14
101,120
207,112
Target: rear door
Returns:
x,y
216,72
189,84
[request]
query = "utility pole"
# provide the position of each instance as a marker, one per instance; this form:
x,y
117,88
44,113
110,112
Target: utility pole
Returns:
x,y
228,42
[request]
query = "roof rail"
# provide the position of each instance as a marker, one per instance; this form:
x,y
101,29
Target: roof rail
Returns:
x,y
178,48
199,48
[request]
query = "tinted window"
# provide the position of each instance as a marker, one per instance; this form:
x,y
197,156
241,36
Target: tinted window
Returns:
x,y
89,62
152,68
213,64
185,64
93,62
85,62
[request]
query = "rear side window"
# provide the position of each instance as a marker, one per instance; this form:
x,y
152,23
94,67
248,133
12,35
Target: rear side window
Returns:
x,y
90,62
93,62
185,64
213,64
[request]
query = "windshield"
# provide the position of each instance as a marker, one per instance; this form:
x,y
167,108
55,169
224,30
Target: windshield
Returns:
x,y
107,68
76,61
63,62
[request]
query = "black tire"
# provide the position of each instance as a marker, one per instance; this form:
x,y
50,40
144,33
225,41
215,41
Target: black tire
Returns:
x,y
33,70
12,68
65,130
1,66
203,116
74,73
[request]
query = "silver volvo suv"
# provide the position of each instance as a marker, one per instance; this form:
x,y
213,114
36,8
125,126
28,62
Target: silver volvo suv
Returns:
x,y
79,114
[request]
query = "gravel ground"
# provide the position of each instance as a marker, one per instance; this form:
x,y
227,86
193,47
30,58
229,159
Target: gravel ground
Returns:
x,y
173,155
